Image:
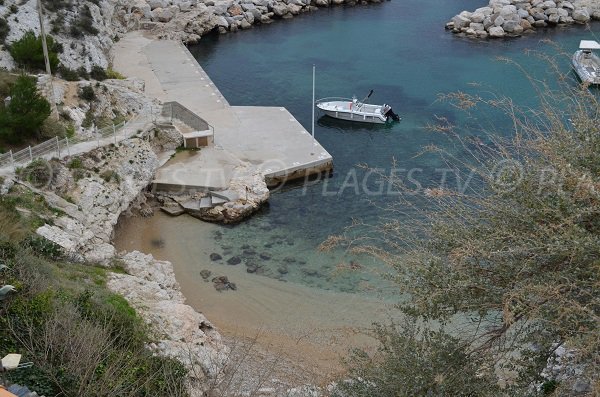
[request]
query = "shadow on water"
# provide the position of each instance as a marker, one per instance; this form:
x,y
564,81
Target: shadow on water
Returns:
x,y
345,126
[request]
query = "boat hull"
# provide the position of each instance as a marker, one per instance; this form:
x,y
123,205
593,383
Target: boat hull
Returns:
x,y
354,117
353,111
587,67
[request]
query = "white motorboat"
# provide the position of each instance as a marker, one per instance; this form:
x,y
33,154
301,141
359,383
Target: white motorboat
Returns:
x,y
355,110
586,63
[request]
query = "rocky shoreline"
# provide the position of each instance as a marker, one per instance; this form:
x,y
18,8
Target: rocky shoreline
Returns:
x,y
189,20
511,18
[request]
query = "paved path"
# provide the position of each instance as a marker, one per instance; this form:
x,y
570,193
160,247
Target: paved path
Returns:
x,y
62,150
269,138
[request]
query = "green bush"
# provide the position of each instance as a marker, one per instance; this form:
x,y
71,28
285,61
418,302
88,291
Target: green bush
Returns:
x,y
4,30
84,24
87,93
7,80
113,74
58,23
28,52
76,163
98,73
68,74
89,119
26,112
57,5
83,73
52,128
110,175
38,173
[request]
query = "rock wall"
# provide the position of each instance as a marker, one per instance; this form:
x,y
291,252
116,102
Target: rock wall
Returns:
x,y
181,332
111,178
503,18
188,20
84,51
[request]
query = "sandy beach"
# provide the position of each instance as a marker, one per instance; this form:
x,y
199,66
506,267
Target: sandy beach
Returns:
x,y
314,328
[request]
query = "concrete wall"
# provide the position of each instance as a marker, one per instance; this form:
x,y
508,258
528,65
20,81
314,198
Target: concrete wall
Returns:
x,y
175,110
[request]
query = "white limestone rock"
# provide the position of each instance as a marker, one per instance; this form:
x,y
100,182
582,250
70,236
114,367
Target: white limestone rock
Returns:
x,y
461,21
581,15
181,332
496,32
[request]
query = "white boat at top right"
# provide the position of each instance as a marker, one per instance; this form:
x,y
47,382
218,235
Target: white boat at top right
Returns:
x,y
586,63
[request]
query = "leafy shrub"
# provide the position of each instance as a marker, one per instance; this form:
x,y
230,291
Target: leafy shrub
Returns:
x,y
52,128
38,173
98,73
109,176
70,130
57,5
7,80
87,93
58,23
75,163
28,52
26,112
84,24
13,9
113,74
83,73
4,30
88,121
43,247
68,74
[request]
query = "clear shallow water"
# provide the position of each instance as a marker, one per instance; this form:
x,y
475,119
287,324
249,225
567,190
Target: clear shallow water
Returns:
x,y
401,51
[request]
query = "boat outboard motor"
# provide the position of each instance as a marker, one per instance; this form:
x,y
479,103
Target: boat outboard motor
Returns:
x,y
389,113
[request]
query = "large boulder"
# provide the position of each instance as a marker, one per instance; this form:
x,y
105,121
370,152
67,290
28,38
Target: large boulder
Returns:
x,y
477,17
235,9
163,15
581,15
154,4
496,32
461,22
280,10
512,27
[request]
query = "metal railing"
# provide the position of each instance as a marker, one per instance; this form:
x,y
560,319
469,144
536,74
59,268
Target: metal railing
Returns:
x,y
58,148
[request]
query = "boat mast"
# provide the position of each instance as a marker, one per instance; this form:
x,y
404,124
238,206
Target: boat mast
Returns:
x,y
313,105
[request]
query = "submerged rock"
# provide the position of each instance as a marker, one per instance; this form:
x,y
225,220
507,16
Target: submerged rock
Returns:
x,y
283,269
235,260
205,273
222,283
215,257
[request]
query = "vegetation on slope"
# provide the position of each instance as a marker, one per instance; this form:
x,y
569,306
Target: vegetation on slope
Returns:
x,y
83,339
504,274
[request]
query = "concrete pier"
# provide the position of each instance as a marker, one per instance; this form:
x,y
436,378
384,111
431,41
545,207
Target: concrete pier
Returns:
x,y
268,138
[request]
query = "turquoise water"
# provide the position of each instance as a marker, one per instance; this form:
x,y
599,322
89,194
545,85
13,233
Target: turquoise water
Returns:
x,y
401,51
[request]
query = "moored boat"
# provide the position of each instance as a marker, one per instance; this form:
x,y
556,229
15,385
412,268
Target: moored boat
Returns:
x,y
586,63
355,110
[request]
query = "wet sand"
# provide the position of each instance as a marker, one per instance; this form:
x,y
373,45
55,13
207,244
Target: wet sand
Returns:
x,y
313,328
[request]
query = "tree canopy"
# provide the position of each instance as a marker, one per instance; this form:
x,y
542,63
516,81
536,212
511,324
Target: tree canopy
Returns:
x,y
26,111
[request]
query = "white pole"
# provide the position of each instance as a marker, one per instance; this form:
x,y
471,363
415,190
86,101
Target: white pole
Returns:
x,y
46,58
313,105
